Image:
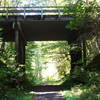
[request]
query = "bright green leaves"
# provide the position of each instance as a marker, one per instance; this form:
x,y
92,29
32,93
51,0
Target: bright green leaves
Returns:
x,y
84,15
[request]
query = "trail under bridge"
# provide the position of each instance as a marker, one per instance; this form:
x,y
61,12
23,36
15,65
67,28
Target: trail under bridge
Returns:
x,y
48,96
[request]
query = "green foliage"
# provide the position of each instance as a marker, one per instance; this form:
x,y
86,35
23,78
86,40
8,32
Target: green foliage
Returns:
x,y
92,93
14,94
73,94
58,52
29,3
11,76
30,49
90,90
81,92
85,15
39,54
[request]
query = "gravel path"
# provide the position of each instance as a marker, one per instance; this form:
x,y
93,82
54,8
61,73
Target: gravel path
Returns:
x,y
48,96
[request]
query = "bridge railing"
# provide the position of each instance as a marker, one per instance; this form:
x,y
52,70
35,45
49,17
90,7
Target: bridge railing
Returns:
x,y
51,10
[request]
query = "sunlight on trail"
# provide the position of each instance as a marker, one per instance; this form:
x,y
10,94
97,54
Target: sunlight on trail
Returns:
x,y
48,96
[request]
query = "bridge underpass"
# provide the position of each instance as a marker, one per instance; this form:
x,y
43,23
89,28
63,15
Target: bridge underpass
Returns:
x,y
22,28
39,30
22,24
36,24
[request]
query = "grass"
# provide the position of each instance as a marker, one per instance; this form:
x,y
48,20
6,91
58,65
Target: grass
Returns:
x,y
24,97
52,82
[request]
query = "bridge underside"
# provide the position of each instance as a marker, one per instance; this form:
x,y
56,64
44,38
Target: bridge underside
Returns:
x,y
39,30
20,30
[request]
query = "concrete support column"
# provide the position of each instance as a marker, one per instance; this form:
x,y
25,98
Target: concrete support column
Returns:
x,y
19,46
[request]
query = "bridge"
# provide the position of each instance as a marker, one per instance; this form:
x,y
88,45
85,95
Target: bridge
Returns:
x,y
22,24
36,23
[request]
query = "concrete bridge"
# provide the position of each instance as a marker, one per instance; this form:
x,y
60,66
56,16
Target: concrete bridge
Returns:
x,y
36,23
22,24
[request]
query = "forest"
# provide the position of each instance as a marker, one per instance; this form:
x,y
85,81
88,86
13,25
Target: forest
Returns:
x,y
73,66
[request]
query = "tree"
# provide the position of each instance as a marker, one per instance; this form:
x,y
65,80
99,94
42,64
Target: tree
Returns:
x,y
58,52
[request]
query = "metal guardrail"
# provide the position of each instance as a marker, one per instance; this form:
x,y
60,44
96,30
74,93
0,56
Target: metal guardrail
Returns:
x,y
39,10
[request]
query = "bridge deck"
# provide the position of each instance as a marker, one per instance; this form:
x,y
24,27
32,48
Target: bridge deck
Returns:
x,y
37,24
35,29
34,25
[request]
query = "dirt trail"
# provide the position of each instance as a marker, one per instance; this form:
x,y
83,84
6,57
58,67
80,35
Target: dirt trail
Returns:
x,y
48,96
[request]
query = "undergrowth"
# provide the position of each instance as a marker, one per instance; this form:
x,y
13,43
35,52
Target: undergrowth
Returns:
x,y
83,93
14,94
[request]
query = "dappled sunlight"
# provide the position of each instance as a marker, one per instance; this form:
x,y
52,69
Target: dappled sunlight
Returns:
x,y
50,73
73,94
49,63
